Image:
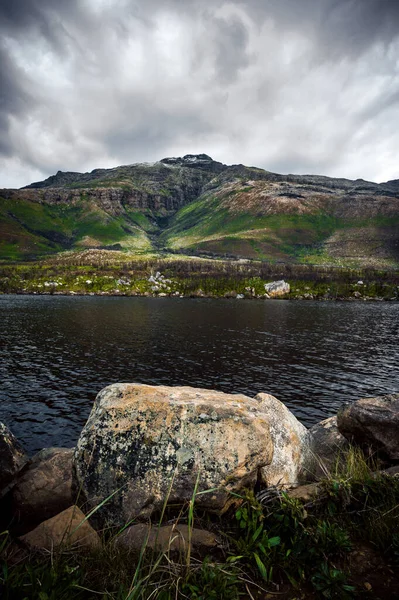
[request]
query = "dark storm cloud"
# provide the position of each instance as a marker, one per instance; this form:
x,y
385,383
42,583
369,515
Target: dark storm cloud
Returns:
x,y
290,85
14,99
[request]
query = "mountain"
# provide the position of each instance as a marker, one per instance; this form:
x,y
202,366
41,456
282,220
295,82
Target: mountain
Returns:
x,y
195,204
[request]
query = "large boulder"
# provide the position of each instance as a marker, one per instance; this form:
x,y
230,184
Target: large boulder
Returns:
x,y
44,487
291,451
372,423
143,446
69,528
12,459
327,445
274,289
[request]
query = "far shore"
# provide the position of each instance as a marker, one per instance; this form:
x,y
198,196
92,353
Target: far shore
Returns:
x,y
191,296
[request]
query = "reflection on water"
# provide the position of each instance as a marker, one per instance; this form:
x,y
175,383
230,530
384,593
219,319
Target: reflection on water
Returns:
x,y
57,352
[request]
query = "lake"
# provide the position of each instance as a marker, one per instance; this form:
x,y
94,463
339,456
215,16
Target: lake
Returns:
x,y
58,352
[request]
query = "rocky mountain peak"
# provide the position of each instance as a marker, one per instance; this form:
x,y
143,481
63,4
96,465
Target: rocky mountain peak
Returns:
x,y
201,161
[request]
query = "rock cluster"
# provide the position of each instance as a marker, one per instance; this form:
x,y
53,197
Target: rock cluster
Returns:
x,y
146,446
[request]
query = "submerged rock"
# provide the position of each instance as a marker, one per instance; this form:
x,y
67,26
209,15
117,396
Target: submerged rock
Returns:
x,y
69,528
144,445
291,452
372,423
277,288
44,488
12,458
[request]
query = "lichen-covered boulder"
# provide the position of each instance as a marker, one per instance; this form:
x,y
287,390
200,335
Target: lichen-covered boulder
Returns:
x,y
274,289
44,488
291,450
327,445
12,458
372,423
144,445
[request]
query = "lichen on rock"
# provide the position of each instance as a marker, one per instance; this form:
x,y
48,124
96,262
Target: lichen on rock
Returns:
x,y
145,445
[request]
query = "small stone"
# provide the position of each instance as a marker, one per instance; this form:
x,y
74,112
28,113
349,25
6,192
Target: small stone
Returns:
x,y
392,471
305,493
68,528
174,538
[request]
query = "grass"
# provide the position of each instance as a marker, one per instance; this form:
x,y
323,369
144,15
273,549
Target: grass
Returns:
x,y
31,229
208,223
109,272
282,546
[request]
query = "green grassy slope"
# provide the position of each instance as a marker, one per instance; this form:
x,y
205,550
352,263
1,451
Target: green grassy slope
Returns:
x,y
207,225
30,229
196,205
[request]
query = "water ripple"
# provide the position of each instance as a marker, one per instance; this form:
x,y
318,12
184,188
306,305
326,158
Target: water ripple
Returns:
x,y
56,353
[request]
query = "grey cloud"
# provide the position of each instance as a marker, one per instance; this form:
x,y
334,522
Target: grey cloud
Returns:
x,y
231,54
289,85
14,98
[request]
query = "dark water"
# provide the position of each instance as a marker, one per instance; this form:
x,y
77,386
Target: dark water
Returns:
x,y
57,352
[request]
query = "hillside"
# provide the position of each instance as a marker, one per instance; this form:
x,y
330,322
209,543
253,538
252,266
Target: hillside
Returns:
x,y
196,205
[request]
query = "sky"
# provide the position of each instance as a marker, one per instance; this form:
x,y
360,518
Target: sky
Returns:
x,y
292,86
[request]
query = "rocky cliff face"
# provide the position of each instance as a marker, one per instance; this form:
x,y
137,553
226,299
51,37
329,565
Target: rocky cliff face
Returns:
x,y
194,203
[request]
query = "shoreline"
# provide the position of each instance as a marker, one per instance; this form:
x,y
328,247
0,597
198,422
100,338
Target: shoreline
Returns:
x,y
194,296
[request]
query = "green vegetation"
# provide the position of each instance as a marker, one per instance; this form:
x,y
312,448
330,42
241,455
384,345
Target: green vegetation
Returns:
x,y
271,544
107,272
31,229
227,223
208,225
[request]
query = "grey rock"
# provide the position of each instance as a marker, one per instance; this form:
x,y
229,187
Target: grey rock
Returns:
x,y
392,471
44,487
372,423
327,444
277,288
291,451
168,538
12,459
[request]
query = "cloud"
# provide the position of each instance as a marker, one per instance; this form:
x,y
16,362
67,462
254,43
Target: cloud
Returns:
x,y
290,86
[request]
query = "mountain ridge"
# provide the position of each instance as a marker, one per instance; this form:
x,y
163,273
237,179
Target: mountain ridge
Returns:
x,y
195,204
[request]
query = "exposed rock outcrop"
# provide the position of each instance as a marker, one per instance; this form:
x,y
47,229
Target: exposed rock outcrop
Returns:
x,y
372,422
147,445
12,458
44,488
